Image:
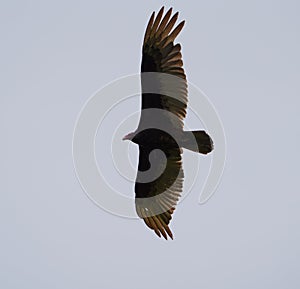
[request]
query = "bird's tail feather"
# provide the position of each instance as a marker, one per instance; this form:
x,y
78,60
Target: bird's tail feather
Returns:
x,y
197,141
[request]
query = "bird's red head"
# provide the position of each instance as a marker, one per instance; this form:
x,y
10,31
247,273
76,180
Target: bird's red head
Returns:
x,y
129,136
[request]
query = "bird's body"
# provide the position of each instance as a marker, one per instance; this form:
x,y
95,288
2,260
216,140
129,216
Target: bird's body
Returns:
x,y
160,135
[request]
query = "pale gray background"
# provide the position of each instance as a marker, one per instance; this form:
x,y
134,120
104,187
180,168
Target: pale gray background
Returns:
x,y
243,54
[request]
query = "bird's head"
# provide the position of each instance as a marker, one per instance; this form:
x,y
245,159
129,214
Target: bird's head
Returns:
x,y
129,136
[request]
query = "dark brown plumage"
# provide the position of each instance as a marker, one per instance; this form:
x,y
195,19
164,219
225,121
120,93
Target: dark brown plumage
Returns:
x,y
160,176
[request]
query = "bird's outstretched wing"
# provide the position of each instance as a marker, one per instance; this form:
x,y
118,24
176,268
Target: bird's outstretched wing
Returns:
x,y
156,199
162,56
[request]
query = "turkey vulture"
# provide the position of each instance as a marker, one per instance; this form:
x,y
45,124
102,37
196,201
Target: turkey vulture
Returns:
x,y
160,134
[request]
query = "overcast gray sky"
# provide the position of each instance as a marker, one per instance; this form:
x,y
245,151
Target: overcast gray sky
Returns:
x,y
243,54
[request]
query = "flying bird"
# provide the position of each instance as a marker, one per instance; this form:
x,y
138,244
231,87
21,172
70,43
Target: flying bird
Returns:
x,y
160,135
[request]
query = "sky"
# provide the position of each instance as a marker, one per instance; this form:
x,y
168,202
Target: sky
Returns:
x,y
244,55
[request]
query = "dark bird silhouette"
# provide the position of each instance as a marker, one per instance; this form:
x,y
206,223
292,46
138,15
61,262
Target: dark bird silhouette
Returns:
x,y
160,134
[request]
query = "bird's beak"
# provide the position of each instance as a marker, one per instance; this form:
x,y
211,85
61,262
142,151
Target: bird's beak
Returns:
x,y
126,137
